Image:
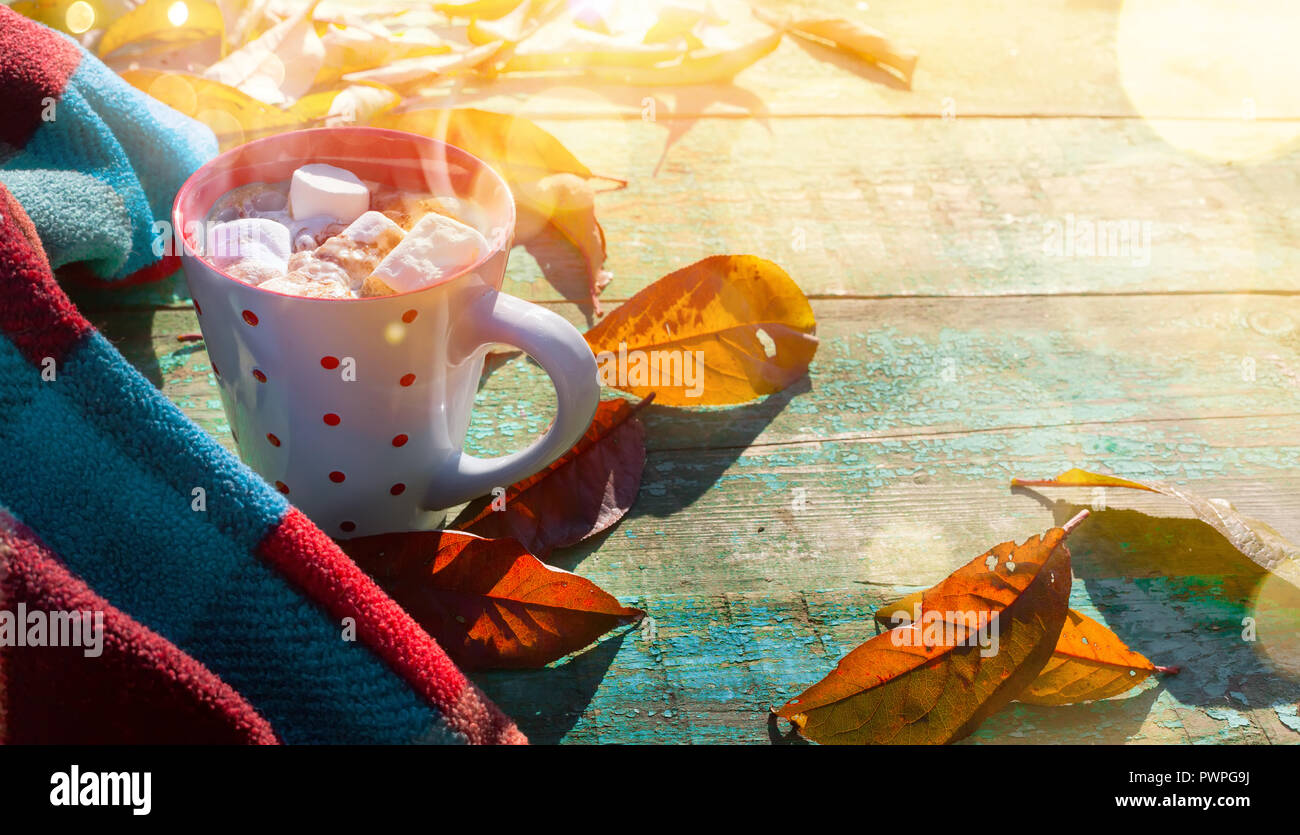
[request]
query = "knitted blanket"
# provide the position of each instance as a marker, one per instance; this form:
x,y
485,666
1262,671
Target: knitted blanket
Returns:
x,y
129,612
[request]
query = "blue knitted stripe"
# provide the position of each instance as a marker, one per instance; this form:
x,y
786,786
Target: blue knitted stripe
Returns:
x,y
102,466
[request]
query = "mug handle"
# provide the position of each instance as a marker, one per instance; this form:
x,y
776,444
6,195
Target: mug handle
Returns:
x,y
563,354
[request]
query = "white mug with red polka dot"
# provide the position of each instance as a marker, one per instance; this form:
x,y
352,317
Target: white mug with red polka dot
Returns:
x,y
357,409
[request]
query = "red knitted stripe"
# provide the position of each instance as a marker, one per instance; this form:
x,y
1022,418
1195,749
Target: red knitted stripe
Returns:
x,y
142,689
309,558
80,274
35,64
36,314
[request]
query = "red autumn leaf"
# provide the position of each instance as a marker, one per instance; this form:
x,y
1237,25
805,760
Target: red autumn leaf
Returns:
x,y
584,492
488,602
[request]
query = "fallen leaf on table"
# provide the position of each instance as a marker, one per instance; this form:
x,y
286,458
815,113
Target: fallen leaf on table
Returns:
x,y
488,602
233,116
858,39
928,682
584,492
739,320
427,68
513,145
678,23
155,22
560,46
358,47
1089,661
712,65
353,104
1258,541
568,203
279,66
517,26
245,19
478,9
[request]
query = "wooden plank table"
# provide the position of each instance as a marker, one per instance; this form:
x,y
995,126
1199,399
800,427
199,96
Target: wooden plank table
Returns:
x,y
956,352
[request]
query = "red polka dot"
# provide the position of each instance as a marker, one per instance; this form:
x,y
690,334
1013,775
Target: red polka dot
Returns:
x,y
329,362
407,379
250,317
397,489
347,527
216,370
261,378
197,309
400,440
274,440
409,316
282,487
337,477
331,419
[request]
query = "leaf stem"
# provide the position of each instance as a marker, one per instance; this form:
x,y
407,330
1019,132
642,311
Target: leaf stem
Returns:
x,y
1074,523
1169,671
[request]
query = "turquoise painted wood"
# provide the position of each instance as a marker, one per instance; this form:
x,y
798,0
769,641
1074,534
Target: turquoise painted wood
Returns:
x,y
957,351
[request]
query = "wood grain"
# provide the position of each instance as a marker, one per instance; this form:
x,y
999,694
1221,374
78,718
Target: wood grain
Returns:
x,y
957,351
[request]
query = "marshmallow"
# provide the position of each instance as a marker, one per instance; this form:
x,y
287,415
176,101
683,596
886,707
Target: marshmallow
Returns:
x,y
297,284
320,189
252,249
351,255
435,247
406,209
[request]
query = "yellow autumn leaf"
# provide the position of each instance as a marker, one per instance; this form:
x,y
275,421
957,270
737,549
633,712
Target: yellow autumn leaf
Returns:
x,y
478,9
563,47
426,68
517,26
233,116
858,39
164,23
279,66
1082,478
245,20
568,203
712,65
739,321
513,145
354,104
677,24
364,46
1257,540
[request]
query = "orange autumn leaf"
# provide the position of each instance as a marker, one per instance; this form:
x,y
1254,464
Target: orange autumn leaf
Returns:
x,y
582,493
1089,661
737,324
488,602
930,681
